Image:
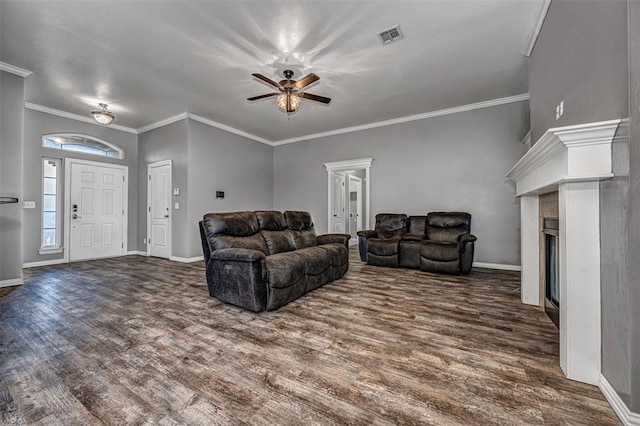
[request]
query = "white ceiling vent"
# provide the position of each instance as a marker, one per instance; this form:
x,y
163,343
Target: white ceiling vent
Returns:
x,y
390,35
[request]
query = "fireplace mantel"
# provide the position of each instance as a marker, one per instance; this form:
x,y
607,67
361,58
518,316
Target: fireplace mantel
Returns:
x,y
571,160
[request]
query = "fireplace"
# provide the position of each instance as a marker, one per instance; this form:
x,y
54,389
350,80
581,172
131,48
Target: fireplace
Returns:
x,y
571,160
551,270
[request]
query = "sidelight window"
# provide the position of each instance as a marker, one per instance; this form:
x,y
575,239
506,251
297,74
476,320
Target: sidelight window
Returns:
x,y
50,204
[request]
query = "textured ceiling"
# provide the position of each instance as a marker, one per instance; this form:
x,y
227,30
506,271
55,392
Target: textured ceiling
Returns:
x,y
150,60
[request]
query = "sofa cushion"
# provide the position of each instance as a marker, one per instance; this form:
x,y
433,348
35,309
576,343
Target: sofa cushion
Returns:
x,y
447,226
440,250
338,253
237,229
389,225
383,246
298,221
304,239
417,225
270,220
316,260
278,241
285,269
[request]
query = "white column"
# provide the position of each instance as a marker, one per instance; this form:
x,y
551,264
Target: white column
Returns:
x,y
529,249
579,250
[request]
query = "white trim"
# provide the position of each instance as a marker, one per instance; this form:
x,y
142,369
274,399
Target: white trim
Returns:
x,y
149,202
186,259
136,253
359,163
56,250
229,129
534,31
448,111
67,202
11,283
501,266
628,417
14,70
77,117
162,123
43,263
527,139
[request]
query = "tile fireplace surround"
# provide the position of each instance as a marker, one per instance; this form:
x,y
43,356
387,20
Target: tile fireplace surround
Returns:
x,y
571,160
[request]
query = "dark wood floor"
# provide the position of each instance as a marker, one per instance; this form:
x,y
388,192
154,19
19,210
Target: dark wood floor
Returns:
x,y
138,341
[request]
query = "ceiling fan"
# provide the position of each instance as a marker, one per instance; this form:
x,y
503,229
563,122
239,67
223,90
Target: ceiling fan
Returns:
x,y
290,91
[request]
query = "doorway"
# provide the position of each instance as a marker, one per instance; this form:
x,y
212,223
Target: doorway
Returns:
x,y
341,217
159,209
95,209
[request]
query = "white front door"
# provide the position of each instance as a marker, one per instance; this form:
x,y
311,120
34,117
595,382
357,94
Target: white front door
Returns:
x,y
159,209
338,201
96,213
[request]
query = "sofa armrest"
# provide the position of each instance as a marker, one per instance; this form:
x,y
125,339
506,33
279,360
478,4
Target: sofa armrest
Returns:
x,y
412,237
368,233
334,238
467,238
238,254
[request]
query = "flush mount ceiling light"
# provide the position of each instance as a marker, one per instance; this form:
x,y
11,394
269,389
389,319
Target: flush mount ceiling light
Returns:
x,y
103,116
290,91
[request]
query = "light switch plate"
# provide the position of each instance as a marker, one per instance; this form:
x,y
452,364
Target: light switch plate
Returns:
x,y
176,191
176,206
29,204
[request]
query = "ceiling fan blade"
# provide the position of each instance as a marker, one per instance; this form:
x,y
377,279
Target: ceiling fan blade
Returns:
x,y
255,98
315,98
268,81
306,80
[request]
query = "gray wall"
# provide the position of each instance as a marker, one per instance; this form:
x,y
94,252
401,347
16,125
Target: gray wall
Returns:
x,y
205,160
634,204
39,123
165,143
11,153
223,161
580,57
454,162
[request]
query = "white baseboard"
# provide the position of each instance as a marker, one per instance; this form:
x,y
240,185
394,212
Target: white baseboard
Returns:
x,y
43,263
11,283
187,259
497,266
627,417
136,252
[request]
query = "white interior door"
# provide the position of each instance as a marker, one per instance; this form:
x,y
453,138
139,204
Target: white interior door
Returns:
x,y
96,213
159,209
338,201
355,205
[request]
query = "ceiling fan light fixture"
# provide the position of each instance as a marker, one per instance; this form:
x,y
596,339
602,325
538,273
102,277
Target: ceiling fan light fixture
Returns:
x,y
103,115
288,101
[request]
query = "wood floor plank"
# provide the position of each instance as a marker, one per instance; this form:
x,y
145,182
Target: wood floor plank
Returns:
x,y
137,340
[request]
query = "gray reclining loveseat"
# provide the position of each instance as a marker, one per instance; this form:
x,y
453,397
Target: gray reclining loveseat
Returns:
x,y
265,259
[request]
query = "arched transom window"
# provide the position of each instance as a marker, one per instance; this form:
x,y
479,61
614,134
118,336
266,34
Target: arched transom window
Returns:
x,y
82,143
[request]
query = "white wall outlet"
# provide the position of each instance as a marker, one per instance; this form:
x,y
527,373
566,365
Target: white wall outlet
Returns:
x,y
29,204
144,241
176,206
176,191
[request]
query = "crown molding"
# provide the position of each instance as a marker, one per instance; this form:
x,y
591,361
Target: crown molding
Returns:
x,y
527,139
534,31
229,129
15,70
77,117
162,123
423,116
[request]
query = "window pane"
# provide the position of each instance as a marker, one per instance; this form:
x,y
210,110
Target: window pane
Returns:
x,y
49,238
50,168
49,220
50,186
81,143
49,204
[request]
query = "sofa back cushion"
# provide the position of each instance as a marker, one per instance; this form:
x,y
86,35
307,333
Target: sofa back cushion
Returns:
x,y
233,230
447,226
417,225
273,228
301,226
271,220
390,225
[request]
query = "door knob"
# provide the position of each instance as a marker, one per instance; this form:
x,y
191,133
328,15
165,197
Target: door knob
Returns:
x,y
166,216
75,216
